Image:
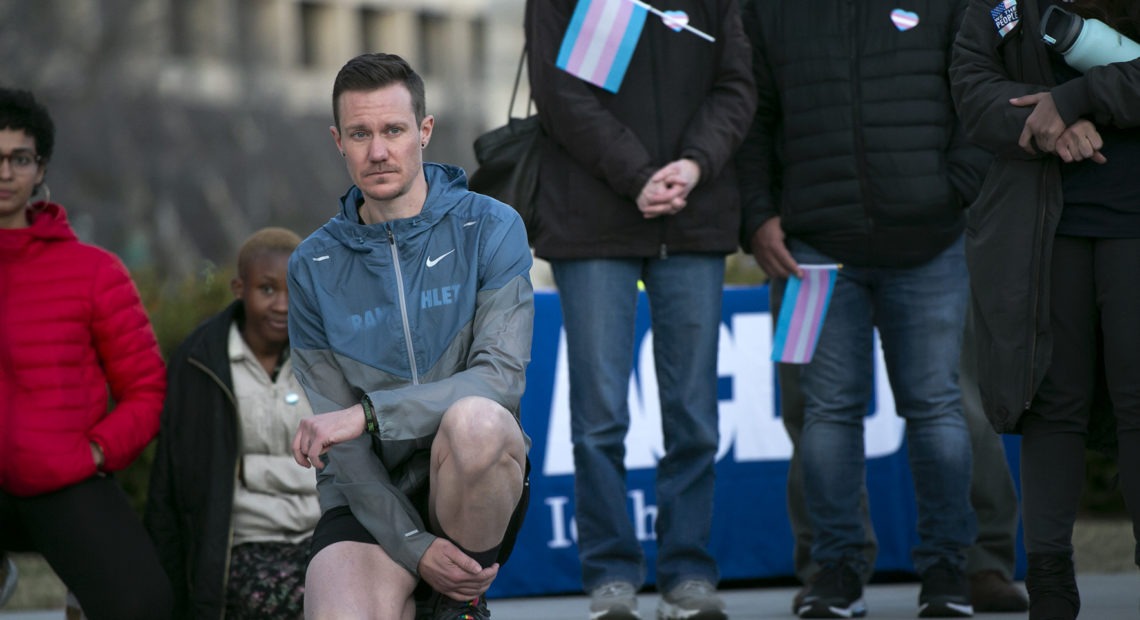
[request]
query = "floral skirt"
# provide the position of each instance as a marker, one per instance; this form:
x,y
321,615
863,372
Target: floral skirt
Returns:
x,y
267,580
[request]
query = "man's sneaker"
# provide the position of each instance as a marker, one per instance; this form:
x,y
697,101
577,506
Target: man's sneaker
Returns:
x,y
8,578
798,599
945,593
447,608
694,599
836,592
615,600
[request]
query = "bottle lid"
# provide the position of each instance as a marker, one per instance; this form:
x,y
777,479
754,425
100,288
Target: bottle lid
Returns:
x,y
1060,28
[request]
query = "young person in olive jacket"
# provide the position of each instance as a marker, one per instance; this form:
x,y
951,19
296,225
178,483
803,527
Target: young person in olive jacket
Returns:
x,y
1053,249
73,331
638,184
229,510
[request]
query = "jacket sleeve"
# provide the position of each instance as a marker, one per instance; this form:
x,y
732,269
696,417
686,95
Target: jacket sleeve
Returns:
x,y
757,166
499,352
571,113
1107,95
132,363
967,163
982,87
161,516
720,124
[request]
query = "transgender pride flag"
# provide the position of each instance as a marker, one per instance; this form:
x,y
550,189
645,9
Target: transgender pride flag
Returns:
x,y
600,41
802,313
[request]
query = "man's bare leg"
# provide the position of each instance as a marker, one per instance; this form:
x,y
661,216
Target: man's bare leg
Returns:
x,y
478,460
357,580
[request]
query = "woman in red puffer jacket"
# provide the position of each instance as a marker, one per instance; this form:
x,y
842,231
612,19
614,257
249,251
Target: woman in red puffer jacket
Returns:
x,y
73,332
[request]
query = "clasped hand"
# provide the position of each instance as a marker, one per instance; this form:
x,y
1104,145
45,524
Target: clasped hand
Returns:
x,y
1046,129
668,189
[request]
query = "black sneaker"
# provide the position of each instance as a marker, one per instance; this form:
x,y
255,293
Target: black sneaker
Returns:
x,y
945,592
835,592
447,608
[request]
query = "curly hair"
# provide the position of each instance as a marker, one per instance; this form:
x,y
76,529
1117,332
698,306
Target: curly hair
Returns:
x,y
20,111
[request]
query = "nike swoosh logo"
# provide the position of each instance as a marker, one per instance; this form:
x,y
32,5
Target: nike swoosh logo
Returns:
x,y
431,262
321,258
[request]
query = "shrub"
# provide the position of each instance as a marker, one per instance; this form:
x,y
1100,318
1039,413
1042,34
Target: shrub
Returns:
x,y
175,309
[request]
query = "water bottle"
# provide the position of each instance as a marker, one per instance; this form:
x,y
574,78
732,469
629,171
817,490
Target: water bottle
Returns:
x,y
1085,43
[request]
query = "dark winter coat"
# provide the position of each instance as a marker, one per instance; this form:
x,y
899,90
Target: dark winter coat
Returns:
x,y
855,144
190,501
682,97
1013,222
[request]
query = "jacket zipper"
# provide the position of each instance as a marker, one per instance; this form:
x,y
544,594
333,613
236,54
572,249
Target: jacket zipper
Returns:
x,y
237,464
403,306
1029,380
1046,72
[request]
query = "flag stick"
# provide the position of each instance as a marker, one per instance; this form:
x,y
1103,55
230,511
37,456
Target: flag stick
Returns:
x,y
663,16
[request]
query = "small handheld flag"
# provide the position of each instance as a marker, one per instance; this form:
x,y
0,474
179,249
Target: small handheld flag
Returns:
x,y
802,313
600,41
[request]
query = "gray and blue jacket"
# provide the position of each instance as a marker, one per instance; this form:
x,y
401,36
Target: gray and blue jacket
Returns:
x,y
415,313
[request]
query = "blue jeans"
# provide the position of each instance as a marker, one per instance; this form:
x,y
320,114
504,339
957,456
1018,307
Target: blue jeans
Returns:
x,y
599,302
920,314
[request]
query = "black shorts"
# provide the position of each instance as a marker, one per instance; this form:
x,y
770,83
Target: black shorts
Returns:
x,y
340,525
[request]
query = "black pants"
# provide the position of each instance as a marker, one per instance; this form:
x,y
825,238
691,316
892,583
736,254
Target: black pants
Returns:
x,y
1095,323
97,546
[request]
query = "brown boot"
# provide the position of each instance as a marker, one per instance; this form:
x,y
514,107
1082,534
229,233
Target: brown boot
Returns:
x,y
990,591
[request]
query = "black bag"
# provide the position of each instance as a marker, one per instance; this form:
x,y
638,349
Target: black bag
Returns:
x,y
508,158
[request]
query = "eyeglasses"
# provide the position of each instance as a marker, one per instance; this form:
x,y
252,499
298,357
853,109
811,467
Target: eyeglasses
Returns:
x,y
21,160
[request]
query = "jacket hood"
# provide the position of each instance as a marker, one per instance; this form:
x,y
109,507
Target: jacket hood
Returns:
x,y
48,223
447,184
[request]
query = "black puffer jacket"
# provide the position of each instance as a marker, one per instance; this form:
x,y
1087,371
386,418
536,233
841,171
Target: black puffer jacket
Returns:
x,y
190,501
682,97
855,144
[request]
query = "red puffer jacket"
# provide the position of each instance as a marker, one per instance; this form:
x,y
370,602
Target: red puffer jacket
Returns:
x,y
71,326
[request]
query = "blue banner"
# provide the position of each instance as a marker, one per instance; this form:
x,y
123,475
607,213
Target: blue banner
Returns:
x,y
751,537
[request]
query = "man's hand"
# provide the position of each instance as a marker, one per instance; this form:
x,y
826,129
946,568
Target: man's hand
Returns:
x,y
771,253
1044,124
317,433
453,573
667,191
1079,142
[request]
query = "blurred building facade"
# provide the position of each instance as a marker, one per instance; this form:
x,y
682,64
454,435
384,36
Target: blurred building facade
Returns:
x,y
184,125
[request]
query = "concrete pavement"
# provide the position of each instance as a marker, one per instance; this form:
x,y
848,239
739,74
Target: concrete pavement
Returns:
x,y
1105,596
1114,596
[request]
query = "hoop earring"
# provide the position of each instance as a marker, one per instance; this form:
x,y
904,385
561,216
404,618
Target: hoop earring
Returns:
x,y
41,188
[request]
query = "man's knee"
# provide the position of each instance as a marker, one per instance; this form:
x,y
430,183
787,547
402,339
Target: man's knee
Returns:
x,y
476,427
